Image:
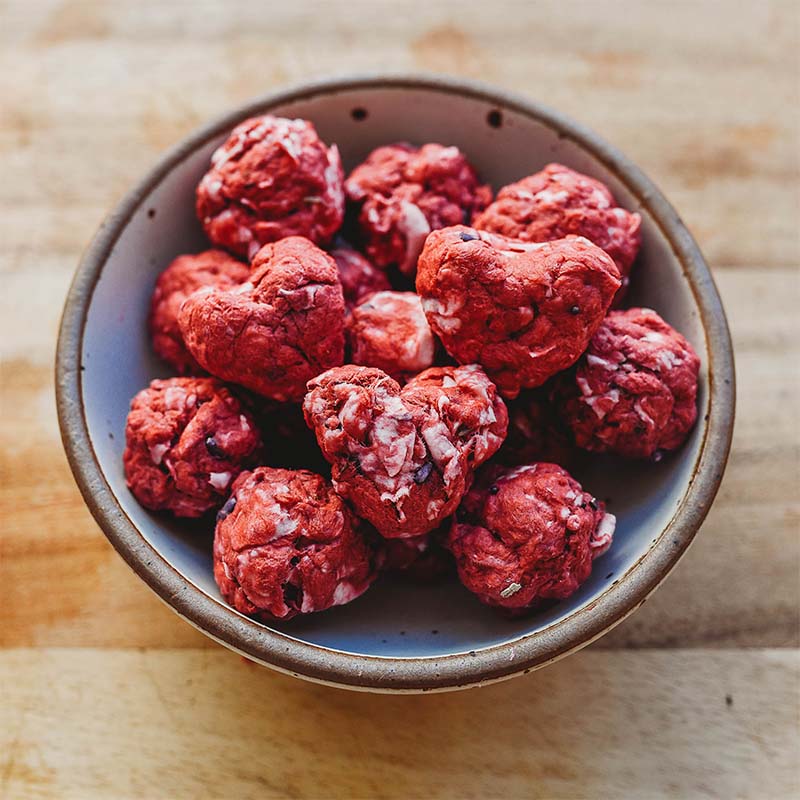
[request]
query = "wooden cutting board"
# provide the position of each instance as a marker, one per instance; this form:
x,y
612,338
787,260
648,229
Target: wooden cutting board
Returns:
x,y
105,693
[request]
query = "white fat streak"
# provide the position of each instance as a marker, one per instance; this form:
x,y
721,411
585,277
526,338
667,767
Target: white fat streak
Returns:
x,y
413,224
601,408
604,535
175,398
431,512
597,361
510,590
669,360
344,593
306,295
157,452
549,196
643,415
443,315
515,473
219,480
334,189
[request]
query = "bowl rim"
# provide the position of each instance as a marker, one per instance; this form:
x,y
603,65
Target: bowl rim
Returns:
x,y
383,673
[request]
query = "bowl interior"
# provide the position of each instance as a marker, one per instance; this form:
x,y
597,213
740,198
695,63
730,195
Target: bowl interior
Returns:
x,y
395,618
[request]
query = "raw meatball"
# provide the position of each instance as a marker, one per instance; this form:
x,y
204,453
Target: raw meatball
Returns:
x,y
634,391
272,178
557,202
523,311
405,192
404,458
182,277
186,441
528,535
388,330
285,544
358,277
535,431
278,330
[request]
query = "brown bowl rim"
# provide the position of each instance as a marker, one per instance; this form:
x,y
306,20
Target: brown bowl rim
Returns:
x,y
401,674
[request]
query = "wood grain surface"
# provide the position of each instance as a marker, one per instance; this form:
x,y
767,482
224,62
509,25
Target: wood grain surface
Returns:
x,y
105,693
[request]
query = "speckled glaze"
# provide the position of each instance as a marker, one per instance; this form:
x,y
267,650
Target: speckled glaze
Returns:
x,y
397,637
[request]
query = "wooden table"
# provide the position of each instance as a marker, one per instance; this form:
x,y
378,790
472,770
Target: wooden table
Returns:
x,y
106,693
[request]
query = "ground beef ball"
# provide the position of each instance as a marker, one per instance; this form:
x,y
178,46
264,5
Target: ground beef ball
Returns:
x,y
389,330
404,192
278,330
634,391
528,535
186,441
182,277
272,178
357,276
557,202
523,311
285,544
404,458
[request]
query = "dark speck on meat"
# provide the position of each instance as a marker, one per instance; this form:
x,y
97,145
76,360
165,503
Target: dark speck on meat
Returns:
x,y
423,473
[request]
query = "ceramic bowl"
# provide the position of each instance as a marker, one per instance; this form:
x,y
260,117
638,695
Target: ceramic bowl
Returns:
x,y
398,636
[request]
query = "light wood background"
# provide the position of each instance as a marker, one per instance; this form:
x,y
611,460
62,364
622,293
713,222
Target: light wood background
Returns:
x,y
105,693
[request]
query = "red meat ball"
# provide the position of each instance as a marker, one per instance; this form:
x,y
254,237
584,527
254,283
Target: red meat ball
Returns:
x,y
272,178
404,192
557,202
634,391
186,441
528,535
182,277
278,330
285,544
523,311
404,457
389,330
357,276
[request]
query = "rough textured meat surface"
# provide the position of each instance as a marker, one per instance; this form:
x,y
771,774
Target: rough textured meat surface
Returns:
x,y
278,330
285,544
523,311
186,441
389,330
634,391
536,432
272,178
182,277
528,535
557,202
357,276
404,458
404,192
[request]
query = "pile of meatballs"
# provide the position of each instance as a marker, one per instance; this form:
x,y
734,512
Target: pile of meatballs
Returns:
x,y
391,371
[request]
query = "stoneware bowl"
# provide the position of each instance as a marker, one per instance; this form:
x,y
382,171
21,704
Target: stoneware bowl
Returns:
x,y
398,636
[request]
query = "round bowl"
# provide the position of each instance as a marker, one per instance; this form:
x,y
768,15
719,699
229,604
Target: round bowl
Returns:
x,y
398,636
